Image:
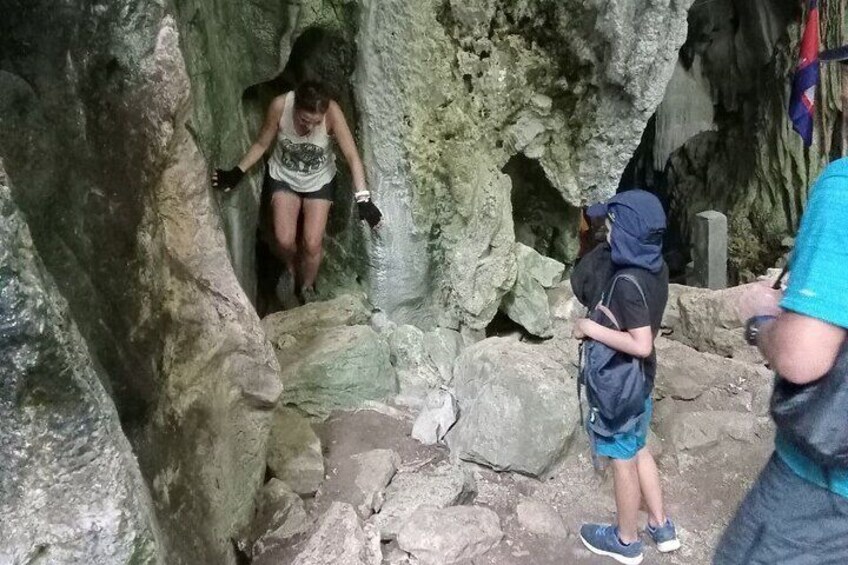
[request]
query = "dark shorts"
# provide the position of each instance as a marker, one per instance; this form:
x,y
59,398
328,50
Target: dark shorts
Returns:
x,y
786,520
326,192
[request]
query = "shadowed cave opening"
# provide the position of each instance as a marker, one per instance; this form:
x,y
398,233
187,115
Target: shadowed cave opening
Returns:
x,y
542,219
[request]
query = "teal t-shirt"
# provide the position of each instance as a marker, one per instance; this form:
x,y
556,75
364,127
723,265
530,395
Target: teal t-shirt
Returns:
x,y
818,288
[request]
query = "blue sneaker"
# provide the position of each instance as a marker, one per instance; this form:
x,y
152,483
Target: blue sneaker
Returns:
x,y
664,536
602,539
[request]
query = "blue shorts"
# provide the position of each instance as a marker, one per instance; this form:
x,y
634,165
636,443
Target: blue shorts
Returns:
x,y
627,445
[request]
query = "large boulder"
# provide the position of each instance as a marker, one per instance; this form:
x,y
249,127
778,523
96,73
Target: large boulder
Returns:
x,y
340,368
294,451
96,116
686,374
440,487
297,326
70,488
518,406
527,302
340,539
440,536
280,516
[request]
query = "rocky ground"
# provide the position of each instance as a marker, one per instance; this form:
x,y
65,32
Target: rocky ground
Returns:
x,y
469,451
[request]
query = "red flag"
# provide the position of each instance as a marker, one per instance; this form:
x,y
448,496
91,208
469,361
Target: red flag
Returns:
x,y
802,103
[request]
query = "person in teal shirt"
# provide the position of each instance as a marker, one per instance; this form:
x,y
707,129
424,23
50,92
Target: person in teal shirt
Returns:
x,y
797,512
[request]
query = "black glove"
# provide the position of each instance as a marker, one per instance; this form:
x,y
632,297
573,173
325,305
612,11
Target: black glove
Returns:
x,y
227,180
368,211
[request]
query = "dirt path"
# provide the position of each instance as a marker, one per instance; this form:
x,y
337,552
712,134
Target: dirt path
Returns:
x,y
702,491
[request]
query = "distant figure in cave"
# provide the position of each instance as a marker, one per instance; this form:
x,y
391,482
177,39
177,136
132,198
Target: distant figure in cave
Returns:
x,y
300,181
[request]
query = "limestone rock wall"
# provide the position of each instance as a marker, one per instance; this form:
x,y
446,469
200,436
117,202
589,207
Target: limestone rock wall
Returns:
x,y
94,101
70,488
449,91
723,139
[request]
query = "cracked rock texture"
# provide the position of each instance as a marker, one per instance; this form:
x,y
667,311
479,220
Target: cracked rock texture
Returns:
x,y
449,91
722,139
70,488
94,99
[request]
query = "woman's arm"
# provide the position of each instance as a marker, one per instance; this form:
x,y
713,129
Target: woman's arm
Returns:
x,y
339,129
266,136
638,342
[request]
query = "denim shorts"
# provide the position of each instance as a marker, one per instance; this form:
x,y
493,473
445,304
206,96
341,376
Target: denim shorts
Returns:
x,y
786,520
627,445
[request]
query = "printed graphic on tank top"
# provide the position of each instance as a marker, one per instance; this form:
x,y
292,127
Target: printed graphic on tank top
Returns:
x,y
304,162
301,157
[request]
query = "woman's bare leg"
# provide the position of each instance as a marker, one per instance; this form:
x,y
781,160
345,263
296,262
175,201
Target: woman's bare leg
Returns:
x,y
285,209
315,212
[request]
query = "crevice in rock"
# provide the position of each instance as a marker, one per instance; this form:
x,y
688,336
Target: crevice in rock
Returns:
x,y
242,558
502,325
543,220
325,54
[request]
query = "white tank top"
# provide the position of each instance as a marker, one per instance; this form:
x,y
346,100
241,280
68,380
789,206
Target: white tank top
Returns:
x,y
304,162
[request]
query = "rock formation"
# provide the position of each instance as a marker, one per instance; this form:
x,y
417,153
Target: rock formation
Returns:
x,y
116,195
70,488
449,91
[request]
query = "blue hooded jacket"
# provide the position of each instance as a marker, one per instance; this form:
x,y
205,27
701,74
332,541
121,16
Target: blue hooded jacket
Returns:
x,y
637,227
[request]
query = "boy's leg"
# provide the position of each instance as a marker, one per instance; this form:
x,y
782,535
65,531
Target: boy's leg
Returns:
x,y
649,482
627,498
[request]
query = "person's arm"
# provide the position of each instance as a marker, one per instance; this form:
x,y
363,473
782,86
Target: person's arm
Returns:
x,y
266,136
802,343
799,348
227,179
629,310
638,342
340,130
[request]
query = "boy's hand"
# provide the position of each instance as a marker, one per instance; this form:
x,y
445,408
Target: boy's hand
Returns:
x,y
759,299
579,329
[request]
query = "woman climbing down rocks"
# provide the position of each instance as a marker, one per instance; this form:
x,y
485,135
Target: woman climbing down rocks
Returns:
x,y
300,181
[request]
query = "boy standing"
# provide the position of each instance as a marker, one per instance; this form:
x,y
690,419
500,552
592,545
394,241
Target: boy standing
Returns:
x,y
636,224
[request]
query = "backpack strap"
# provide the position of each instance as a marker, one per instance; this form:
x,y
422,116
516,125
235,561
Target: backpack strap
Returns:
x,y
626,276
608,297
580,381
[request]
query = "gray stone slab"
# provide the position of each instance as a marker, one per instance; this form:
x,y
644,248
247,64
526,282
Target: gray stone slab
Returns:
x,y
710,250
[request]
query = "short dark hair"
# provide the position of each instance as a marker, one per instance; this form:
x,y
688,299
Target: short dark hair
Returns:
x,y
311,96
